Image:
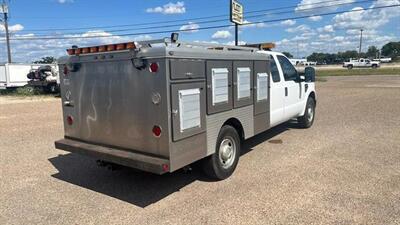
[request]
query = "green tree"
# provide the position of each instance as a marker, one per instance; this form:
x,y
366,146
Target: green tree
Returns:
x,y
391,49
287,54
343,56
372,51
46,60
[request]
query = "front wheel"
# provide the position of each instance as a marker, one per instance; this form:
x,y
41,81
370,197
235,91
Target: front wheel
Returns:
x,y
350,67
374,66
223,162
307,119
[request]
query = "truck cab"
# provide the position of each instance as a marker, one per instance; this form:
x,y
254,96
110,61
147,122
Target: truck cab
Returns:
x,y
289,91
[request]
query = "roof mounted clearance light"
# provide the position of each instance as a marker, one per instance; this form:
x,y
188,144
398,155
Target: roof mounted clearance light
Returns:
x,y
102,48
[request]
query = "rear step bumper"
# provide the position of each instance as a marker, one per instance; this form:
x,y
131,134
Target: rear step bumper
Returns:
x,y
123,157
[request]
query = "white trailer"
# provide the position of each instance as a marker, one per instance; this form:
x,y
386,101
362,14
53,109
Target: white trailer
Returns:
x,y
13,75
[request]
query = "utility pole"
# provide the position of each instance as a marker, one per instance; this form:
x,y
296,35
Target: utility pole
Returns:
x,y
359,51
4,10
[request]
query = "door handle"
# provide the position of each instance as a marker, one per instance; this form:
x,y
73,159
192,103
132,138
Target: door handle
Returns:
x,y
286,91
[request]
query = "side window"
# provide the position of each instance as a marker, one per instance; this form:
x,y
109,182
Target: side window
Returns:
x,y
274,71
289,72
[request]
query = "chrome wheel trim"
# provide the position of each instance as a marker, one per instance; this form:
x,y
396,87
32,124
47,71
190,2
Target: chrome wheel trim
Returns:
x,y
227,152
310,113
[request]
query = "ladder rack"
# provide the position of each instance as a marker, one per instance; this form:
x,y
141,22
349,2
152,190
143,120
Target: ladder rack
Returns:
x,y
208,46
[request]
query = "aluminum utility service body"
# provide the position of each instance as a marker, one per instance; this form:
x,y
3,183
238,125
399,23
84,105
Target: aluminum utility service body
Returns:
x,y
161,105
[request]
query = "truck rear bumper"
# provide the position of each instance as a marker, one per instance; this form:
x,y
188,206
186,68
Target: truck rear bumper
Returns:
x,y
123,157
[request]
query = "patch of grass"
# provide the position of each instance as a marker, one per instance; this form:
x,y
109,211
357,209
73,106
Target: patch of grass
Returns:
x,y
356,71
22,91
320,79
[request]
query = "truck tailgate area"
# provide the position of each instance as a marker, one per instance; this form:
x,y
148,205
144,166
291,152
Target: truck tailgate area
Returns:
x,y
119,156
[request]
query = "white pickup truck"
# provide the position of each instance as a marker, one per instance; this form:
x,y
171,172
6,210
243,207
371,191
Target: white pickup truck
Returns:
x,y
161,105
361,63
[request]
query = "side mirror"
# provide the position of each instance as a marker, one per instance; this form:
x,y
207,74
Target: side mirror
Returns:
x,y
309,74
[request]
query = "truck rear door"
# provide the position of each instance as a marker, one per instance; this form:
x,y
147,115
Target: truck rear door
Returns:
x,y
293,104
110,102
277,94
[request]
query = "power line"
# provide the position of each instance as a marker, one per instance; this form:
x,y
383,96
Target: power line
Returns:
x,y
181,20
204,22
209,27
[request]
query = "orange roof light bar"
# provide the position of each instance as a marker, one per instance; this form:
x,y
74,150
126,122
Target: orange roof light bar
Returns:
x,y
84,50
121,46
102,48
110,48
93,49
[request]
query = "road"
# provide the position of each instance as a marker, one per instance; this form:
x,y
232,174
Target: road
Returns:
x,y
343,170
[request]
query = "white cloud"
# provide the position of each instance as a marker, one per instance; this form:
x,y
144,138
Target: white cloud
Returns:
x,y
288,22
371,19
13,28
315,18
249,24
190,27
327,28
221,34
324,37
65,1
318,6
233,43
300,28
170,8
300,38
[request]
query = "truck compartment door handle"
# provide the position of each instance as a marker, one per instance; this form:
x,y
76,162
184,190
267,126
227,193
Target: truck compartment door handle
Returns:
x,y
286,91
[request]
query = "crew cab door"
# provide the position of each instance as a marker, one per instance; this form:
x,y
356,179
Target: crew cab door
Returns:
x,y
277,89
292,88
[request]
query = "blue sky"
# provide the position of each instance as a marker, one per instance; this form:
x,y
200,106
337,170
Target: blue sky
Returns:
x,y
301,37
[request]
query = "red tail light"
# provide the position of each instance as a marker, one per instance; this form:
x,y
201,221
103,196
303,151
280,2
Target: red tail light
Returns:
x,y
165,167
157,131
70,120
154,67
65,70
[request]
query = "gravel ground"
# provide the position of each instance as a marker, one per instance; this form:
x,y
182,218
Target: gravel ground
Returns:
x,y
343,170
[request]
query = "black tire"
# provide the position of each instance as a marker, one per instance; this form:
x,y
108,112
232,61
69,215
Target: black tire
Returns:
x,y
374,66
307,119
52,88
214,166
350,67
